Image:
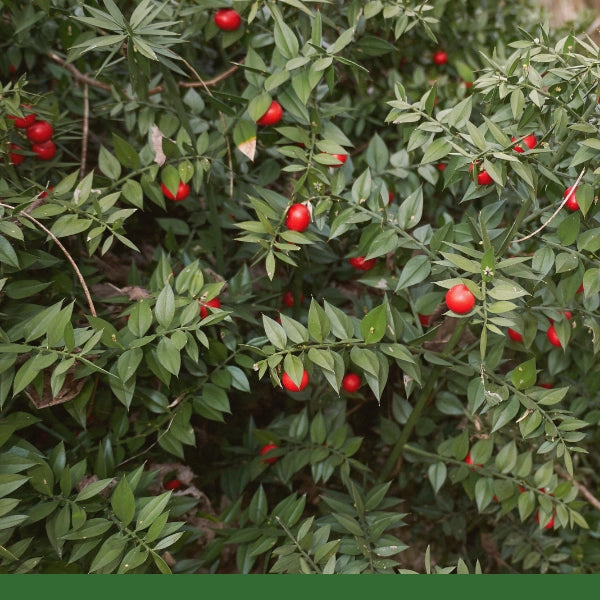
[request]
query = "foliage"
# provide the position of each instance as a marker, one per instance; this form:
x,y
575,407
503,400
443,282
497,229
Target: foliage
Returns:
x,y
143,341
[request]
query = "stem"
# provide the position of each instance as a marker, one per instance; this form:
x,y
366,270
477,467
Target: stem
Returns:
x,y
420,405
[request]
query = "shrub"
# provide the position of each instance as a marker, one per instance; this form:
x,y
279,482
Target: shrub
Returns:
x,y
154,294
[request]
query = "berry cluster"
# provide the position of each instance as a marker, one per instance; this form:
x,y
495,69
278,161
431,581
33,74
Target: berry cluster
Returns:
x,y
39,133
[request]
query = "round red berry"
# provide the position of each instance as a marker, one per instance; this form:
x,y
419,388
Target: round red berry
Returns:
x,y
514,335
227,19
359,262
342,158
272,116
552,336
23,122
530,141
16,158
441,166
214,303
267,448
460,299
390,197
483,177
173,484
183,191
571,203
469,461
39,131
45,150
298,217
425,320
440,57
288,299
549,524
351,382
289,385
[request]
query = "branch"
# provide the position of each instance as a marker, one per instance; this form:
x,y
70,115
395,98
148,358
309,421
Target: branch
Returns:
x,y
566,199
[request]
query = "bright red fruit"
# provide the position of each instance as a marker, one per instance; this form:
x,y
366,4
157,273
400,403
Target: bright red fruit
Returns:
x,y
483,177
553,336
288,298
16,158
459,299
298,217
182,193
580,289
273,114
289,385
173,484
23,122
571,203
440,57
390,197
549,524
45,150
342,158
548,386
469,461
441,166
351,382
267,448
424,320
227,19
39,131
214,303
514,335
528,140
359,262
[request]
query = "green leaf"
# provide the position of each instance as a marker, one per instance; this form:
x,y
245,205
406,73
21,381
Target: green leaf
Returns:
x,y
108,164
416,270
373,326
275,332
437,473
411,210
318,322
437,150
122,501
151,511
7,253
164,310
524,375
126,153
169,356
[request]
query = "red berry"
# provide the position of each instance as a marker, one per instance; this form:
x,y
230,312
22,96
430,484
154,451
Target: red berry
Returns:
x,y
568,314
267,448
183,191
424,320
459,299
359,262
469,460
45,150
214,303
298,217
529,140
289,385
549,524
16,158
483,177
548,386
514,335
227,19
580,289
40,131
351,382
23,122
390,197
441,166
440,57
571,203
44,194
288,298
273,114
173,484
342,158
12,69
552,336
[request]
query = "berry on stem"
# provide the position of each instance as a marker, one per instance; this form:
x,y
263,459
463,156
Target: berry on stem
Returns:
x,y
359,262
289,384
571,203
514,335
39,131
183,191
351,382
460,299
298,217
214,303
267,448
45,150
173,484
227,19
272,116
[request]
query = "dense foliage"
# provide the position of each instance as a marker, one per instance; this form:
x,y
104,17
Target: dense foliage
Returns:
x,y
226,244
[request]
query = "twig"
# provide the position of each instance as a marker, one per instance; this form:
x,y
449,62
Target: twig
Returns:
x,y
566,199
65,252
86,129
582,488
96,83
